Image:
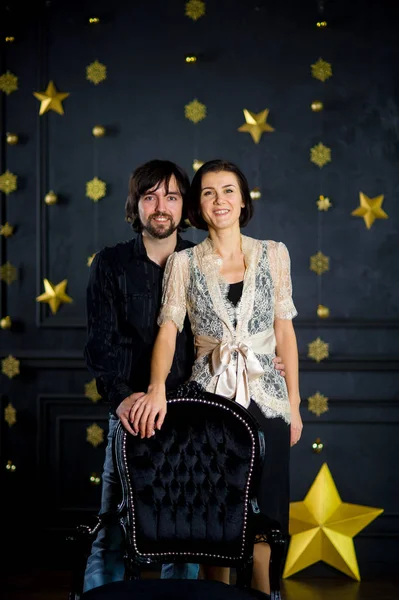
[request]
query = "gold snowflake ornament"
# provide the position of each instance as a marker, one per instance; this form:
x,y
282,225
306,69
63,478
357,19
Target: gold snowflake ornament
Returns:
x,y
318,404
8,273
95,435
321,70
323,203
195,111
96,72
10,415
320,155
96,189
91,391
8,182
318,350
6,230
8,83
195,9
10,366
319,263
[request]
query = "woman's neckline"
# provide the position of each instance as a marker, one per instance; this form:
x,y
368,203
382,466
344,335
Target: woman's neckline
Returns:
x,y
236,282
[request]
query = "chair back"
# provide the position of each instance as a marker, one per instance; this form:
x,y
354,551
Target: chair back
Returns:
x,y
189,491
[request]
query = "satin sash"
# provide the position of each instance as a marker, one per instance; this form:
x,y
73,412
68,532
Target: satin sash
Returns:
x,y
234,382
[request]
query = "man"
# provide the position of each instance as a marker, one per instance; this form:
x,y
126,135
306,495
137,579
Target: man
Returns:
x,y
123,301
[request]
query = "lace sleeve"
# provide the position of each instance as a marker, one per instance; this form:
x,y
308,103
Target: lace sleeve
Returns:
x,y
174,287
284,305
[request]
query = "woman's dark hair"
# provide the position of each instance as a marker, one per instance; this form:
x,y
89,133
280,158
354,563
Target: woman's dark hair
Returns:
x,y
194,204
150,176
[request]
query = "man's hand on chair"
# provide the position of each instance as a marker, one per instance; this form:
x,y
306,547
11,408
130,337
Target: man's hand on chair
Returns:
x,y
124,410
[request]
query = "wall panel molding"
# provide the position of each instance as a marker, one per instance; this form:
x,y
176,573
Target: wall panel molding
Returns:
x,y
44,359
58,322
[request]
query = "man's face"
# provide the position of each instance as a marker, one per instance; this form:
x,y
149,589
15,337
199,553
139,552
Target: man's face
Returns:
x,y
160,209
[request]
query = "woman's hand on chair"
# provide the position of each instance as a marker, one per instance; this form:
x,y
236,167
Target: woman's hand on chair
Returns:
x,y
149,408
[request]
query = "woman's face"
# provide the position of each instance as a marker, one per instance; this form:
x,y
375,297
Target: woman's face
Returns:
x,y
221,199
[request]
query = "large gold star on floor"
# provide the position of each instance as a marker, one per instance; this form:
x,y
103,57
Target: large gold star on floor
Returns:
x,y
322,528
55,295
370,209
255,124
51,99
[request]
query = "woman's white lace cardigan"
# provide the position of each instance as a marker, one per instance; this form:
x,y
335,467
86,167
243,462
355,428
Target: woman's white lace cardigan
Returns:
x,y
192,284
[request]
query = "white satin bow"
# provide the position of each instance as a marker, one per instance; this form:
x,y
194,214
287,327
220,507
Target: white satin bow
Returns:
x,y
235,381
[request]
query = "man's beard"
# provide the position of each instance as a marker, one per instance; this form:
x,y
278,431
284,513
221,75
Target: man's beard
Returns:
x,y
157,230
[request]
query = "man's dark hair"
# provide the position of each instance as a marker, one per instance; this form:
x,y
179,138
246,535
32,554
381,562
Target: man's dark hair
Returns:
x,y
150,176
194,204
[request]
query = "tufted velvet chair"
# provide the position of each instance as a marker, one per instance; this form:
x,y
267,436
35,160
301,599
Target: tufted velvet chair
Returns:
x,y
189,491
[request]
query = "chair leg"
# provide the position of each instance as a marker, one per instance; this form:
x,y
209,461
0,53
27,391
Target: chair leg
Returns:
x,y
79,542
132,569
244,574
277,545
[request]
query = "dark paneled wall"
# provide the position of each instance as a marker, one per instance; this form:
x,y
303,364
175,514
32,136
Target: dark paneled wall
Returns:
x,y
254,55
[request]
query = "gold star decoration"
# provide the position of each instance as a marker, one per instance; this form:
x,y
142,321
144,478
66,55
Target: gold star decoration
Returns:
x,y
50,99
320,155
323,203
10,415
96,189
255,124
318,350
10,366
55,295
8,182
318,404
322,528
321,70
8,273
95,435
96,72
90,259
319,263
195,111
91,391
6,230
370,209
8,83
195,9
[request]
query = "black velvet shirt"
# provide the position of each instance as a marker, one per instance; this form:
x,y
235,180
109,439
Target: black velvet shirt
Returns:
x,y
123,301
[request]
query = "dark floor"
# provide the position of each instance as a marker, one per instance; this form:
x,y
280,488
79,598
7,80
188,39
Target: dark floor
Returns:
x,y
54,585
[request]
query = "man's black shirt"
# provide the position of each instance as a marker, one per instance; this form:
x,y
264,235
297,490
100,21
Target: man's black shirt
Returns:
x,y
123,302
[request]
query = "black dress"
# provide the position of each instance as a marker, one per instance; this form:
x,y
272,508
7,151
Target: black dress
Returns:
x,y
274,491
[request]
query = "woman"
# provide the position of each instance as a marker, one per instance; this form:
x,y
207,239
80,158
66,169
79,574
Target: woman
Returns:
x,y
237,292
